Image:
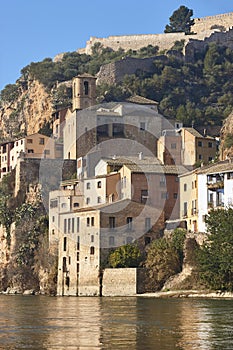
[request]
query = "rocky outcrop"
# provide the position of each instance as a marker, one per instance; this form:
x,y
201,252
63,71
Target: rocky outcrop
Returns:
x,y
26,114
226,136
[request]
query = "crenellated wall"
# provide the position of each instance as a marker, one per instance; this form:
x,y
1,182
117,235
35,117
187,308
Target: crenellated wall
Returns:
x,y
202,28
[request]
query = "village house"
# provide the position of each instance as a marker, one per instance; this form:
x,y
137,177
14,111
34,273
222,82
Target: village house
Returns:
x,y
89,234
5,149
203,189
186,146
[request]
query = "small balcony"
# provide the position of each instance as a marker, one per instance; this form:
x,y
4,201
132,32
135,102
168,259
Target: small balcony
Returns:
x,y
215,185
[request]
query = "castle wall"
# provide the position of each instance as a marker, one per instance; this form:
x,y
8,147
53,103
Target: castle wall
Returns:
x,y
123,282
164,41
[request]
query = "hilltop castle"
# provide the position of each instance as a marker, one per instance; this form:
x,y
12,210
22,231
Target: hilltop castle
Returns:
x,y
203,28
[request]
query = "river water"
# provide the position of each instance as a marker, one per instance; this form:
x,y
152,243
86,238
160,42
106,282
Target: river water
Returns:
x,y
135,323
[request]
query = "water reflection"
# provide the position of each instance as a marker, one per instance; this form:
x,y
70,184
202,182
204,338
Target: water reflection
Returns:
x,y
44,323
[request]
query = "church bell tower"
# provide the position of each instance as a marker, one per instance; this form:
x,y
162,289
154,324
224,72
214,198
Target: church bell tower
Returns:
x,y
83,91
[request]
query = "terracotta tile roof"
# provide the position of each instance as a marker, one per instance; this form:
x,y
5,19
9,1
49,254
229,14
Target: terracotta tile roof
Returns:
x,y
219,167
141,100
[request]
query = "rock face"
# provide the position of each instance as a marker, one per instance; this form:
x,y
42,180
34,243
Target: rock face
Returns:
x,y
28,113
226,149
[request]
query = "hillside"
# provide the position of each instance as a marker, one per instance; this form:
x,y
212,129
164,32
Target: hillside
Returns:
x,y
191,85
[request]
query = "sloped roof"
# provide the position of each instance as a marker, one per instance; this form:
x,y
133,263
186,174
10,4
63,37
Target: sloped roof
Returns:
x,y
141,100
219,167
196,133
157,168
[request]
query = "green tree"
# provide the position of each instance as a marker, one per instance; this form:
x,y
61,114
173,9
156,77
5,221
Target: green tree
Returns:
x,y
215,256
125,256
162,261
180,21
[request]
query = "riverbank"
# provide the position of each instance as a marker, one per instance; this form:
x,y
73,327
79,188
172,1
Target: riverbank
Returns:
x,y
187,294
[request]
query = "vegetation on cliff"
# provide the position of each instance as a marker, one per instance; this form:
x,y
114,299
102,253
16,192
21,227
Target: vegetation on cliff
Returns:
x,y
198,91
26,227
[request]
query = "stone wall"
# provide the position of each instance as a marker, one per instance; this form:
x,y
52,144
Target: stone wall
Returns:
x,y
202,28
114,72
122,282
205,23
220,38
42,174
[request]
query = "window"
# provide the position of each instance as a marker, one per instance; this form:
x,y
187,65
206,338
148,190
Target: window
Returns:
x,y
41,141
21,142
92,238
162,181
185,187
142,126
147,240
53,231
175,195
69,225
144,196
111,241
64,267
88,185
53,203
92,221
47,152
28,141
99,184
86,87
88,221
65,227
17,143
64,244
72,225
78,242
210,159
88,200
92,250
53,218
173,146
98,199
164,195
210,144
30,150
129,221
147,224
63,205
199,143
112,222
77,256
200,157
77,224
69,260
185,209
76,205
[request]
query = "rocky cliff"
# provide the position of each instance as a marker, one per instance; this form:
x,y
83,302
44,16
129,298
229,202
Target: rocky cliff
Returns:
x,y
27,113
226,137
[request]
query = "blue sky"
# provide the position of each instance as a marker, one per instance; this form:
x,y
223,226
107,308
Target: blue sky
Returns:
x,y
32,30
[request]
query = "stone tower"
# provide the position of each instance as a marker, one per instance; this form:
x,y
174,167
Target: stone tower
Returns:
x,y
84,91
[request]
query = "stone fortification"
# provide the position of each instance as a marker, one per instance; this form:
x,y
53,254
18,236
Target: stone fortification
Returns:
x,y
208,23
136,42
220,38
114,72
202,28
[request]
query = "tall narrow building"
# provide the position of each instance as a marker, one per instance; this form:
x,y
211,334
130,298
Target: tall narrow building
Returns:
x,y
84,91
